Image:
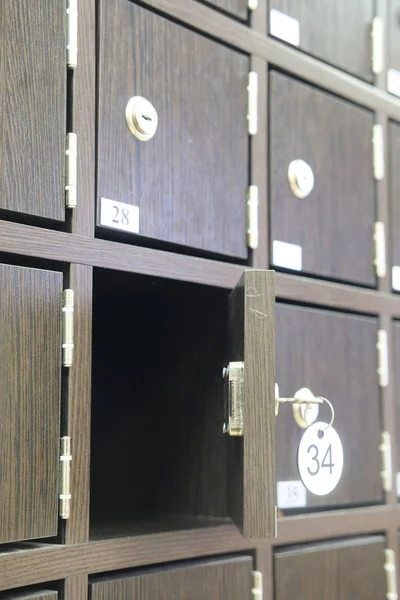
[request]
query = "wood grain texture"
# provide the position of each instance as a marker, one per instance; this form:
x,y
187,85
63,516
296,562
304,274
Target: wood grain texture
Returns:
x,y
30,355
76,588
84,119
229,579
338,33
190,181
393,34
394,184
251,458
36,595
79,405
334,225
335,356
32,107
237,8
345,569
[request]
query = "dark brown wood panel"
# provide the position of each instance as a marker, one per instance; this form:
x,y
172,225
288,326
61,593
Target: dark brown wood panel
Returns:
x,y
229,579
335,356
251,458
237,8
334,224
32,107
394,186
36,595
396,391
190,181
30,355
345,569
336,32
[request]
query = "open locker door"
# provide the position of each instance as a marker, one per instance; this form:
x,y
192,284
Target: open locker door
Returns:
x,y
250,405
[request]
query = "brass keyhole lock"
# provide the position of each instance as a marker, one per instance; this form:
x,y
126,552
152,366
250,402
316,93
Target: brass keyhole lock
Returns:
x,y
142,118
301,178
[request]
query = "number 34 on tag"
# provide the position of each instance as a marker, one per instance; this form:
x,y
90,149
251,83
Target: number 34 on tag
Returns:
x,y
119,215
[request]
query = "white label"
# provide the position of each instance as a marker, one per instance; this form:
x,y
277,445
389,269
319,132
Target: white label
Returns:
x,y
396,278
291,494
398,483
393,82
287,255
119,215
284,27
320,459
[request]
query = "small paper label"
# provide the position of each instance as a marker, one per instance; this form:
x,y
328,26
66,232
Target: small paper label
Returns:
x,y
393,82
284,27
287,255
119,215
398,483
291,494
396,278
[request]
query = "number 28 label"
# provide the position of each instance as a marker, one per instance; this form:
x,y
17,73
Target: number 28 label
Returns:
x,y
320,459
119,215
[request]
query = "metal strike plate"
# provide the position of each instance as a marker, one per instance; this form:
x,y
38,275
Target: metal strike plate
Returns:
x,y
142,118
301,178
233,375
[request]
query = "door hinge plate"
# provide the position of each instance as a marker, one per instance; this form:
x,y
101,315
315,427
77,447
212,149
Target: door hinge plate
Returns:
x,y
391,577
378,151
377,45
257,591
380,249
65,477
386,452
72,33
71,154
233,375
68,328
252,217
252,116
383,358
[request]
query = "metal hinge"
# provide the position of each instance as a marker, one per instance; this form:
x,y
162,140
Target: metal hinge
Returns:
x,y
72,33
378,152
233,375
252,217
65,479
383,358
391,578
257,590
252,116
377,45
70,169
68,328
386,451
252,4
380,249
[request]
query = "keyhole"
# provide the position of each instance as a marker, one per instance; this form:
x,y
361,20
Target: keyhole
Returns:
x,y
146,117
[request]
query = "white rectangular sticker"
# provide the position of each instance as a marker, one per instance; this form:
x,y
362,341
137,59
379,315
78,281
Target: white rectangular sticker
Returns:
x,y
393,82
287,255
396,278
284,27
398,483
119,215
291,494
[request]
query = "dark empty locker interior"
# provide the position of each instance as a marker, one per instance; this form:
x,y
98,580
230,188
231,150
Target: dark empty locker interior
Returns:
x,y
199,309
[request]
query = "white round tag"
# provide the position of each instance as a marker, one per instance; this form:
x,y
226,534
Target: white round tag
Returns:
x,y
320,459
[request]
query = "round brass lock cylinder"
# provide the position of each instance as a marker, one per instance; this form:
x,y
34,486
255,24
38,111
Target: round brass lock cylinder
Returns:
x,y
301,178
305,414
142,118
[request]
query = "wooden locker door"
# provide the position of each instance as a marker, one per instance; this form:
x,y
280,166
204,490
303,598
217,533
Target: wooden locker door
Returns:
x,y
394,183
346,569
331,229
337,32
36,595
334,355
396,392
251,455
393,35
237,8
32,107
30,358
229,579
189,182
